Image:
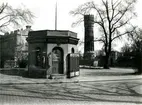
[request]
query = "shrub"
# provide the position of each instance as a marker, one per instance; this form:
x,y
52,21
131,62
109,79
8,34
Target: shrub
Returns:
x,y
137,62
22,63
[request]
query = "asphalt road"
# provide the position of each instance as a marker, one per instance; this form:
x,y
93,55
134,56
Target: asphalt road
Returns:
x,y
82,93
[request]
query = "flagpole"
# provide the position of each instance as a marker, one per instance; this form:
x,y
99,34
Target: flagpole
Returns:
x,y
56,16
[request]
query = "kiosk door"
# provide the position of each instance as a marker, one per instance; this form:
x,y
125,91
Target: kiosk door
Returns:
x,y
57,61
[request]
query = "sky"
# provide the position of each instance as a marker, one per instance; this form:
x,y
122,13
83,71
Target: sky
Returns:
x,y
44,11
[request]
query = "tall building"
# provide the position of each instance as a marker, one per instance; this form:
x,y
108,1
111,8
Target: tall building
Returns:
x,y
0,50
89,36
13,46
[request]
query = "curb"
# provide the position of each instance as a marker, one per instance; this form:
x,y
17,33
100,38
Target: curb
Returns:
x,y
75,81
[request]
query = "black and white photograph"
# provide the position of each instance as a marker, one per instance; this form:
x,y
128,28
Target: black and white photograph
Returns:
x,y
70,52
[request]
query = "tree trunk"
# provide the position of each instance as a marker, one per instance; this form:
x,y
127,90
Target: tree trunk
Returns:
x,y
106,63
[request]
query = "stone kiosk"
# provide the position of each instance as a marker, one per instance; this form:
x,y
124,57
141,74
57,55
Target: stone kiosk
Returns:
x,y
53,52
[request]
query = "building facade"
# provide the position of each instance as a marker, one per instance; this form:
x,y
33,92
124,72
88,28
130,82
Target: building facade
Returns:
x,y
13,47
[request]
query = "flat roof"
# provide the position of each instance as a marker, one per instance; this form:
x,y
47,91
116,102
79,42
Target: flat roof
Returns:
x,y
54,33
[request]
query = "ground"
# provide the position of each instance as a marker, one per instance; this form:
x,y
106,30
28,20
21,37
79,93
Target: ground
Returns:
x,y
93,87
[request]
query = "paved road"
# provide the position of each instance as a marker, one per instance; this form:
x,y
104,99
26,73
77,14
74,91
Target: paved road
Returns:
x,y
105,89
82,93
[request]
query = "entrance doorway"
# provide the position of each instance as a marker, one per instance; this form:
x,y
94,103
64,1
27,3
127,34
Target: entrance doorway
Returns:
x,y
57,60
38,57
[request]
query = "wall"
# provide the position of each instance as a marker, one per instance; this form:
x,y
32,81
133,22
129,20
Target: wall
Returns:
x,y
8,47
66,50
47,40
32,49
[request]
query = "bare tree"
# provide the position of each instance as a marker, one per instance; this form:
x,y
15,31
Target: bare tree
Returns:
x,y
136,38
13,17
112,17
135,49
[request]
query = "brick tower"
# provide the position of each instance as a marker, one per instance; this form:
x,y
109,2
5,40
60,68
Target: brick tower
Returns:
x,y
89,36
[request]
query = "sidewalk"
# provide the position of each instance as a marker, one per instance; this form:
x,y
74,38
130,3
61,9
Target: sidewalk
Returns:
x,y
86,75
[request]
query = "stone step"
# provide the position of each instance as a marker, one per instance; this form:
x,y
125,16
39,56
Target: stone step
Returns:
x,y
58,76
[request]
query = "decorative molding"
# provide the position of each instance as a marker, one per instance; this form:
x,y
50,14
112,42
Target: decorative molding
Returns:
x,y
53,39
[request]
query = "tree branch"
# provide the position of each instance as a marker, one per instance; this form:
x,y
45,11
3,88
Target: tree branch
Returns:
x,y
97,22
11,16
114,6
2,8
77,22
99,40
122,12
121,25
120,35
102,23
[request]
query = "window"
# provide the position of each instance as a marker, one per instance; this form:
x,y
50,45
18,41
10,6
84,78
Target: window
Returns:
x,y
72,50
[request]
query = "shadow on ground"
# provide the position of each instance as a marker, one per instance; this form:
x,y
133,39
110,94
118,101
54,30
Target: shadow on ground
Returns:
x,y
118,92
